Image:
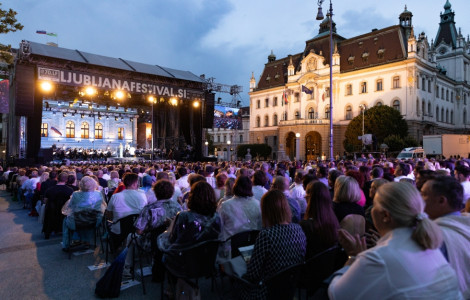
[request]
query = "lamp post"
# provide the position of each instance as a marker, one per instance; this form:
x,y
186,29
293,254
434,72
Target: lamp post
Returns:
x,y
206,149
152,100
228,151
297,146
320,17
363,108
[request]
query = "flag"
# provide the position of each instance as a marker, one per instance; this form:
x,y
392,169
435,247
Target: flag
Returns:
x,y
306,90
41,32
284,96
46,33
51,34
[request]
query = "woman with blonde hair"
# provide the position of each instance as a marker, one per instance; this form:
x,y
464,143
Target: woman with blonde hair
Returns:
x,y
347,194
406,263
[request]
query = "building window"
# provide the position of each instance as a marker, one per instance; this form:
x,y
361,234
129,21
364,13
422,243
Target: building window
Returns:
x,y
218,139
437,92
451,117
452,97
285,115
70,129
266,121
311,113
379,85
258,121
363,87
437,113
297,115
275,120
417,107
442,115
297,97
396,105
275,101
349,90
327,112
423,107
241,138
396,82
442,94
423,84
44,131
258,104
429,86
85,130
379,103
447,95
429,109
225,139
327,92
120,133
266,102
349,115
464,117
98,131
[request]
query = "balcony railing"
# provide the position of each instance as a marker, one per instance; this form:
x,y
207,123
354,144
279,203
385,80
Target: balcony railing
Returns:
x,y
303,122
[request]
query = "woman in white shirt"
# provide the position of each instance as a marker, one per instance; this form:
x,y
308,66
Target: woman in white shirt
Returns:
x,y
406,263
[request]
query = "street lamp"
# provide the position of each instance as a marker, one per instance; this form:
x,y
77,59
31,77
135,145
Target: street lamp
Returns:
x,y
206,149
297,146
320,17
228,151
363,108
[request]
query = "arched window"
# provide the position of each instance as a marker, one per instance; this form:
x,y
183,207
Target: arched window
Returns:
x,y
275,120
451,117
442,115
266,121
85,130
429,109
417,107
437,113
258,121
327,112
396,105
423,106
311,113
297,115
70,129
349,112
379,103
98,131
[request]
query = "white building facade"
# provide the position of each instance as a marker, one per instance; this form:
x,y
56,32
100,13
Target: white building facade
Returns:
x,y
427,82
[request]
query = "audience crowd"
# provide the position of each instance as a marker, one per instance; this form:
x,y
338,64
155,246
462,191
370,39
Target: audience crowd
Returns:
x,y
404,226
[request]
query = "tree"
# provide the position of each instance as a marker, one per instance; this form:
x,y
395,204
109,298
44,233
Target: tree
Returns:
x,y
8,23
381,121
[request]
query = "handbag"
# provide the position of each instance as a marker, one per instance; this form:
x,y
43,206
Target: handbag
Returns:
x,y
109,286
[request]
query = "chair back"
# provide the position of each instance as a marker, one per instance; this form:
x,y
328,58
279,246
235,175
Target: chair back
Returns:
x,y
354,224
242,239
281,286
126,226
199,260
85,219
321,266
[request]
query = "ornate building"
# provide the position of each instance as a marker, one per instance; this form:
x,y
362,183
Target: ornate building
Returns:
x,y
427,82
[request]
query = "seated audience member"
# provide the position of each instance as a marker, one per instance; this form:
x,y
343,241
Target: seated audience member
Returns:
x,y
320,224
87,198
443,197
406,262
322,174
242,212
209,174
199,223
54,198
259,181
192,179
72,182
114,181
128,202
220,180
423,176
279,245
282,183
228,191
347,194
297,192
462,174
332,176
182,181
154,216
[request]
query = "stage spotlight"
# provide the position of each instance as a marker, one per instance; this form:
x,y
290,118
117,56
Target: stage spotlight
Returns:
x,y
174,101
119,95
90,91
152,99
196,104
46,86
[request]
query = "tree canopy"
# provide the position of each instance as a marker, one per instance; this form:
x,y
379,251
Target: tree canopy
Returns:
x,y
8,23
381,121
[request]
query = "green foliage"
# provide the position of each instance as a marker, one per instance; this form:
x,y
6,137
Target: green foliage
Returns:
x,y
410,141
8,23
395,143
381,121
256,150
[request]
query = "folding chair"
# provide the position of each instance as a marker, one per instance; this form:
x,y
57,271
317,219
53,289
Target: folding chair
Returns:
x,y
91,225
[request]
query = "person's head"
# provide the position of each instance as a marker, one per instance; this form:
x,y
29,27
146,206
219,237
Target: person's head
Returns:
x,y
260,178
346,190
131,181
220,180
162,175
275,208
242,187
71,179
87,184
202,199
376,183
63,177
356,175
229,186
442,195
114,175
146,181
423,176
399,204
280,183
34,174
462,173
307,179
299,175
322,172
377,172
182,171
193,178
163,189
44,177
53,175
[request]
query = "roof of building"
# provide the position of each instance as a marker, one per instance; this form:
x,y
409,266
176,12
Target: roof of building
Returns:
x,y
447,32
109,62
